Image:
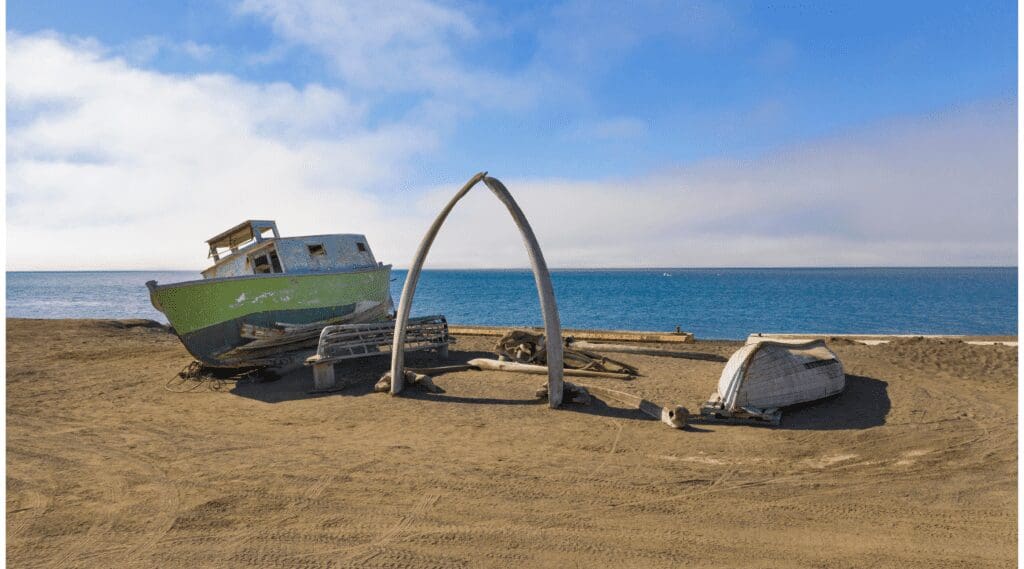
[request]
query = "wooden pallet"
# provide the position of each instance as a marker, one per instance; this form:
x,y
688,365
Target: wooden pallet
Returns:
x,y
351,341
713,411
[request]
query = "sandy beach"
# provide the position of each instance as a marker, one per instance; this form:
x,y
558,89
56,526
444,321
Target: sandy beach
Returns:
x,y
913,466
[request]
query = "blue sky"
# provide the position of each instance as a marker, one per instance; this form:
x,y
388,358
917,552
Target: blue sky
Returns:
x,y
594,100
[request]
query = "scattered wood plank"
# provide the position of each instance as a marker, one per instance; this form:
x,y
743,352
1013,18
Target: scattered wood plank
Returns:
x,y
432,371
495,365
641,350
607,335
675,417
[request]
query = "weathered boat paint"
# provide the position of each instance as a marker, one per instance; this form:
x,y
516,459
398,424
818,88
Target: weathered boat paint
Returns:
x,y
193,305
207,314
261,281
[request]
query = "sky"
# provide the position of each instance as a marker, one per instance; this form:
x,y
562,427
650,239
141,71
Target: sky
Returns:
x,y
641,134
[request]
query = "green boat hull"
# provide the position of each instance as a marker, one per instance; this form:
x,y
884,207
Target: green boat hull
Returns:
x,y
207,315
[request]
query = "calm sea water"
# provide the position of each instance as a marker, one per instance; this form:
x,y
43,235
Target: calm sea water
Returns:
x,y
712,303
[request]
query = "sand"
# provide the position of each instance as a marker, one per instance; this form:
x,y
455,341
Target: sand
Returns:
x,y
913,466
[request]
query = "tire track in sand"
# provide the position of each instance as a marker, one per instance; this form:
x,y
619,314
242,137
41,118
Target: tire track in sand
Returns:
x,y
76,451
361,554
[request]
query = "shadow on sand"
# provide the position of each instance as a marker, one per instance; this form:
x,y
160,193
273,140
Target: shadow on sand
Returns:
x,y
358,377
862,405
355,377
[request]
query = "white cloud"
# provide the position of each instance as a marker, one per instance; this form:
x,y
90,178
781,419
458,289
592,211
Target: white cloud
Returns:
x,y
617,128
588,36
197,51
114,166
407,46
146,48
110,165
940,190
425,47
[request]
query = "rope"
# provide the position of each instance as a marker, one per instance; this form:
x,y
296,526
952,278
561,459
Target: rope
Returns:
x,y
196,377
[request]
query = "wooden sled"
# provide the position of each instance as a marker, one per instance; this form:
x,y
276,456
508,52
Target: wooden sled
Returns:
x,y
351,341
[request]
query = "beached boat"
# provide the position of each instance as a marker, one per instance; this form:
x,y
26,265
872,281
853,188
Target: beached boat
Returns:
x,y
260,280
764,376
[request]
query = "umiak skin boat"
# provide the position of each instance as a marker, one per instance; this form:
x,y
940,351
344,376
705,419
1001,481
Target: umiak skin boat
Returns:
x,y
260,281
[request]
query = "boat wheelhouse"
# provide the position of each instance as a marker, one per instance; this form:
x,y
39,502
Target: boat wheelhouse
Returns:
x,y
260,280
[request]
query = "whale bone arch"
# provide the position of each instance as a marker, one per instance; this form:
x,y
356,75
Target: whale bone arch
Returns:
x,y
541,275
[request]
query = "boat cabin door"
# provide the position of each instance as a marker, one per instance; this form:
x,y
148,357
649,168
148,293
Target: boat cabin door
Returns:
x,y
265,261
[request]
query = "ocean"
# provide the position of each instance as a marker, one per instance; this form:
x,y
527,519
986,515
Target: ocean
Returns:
x,y
711,303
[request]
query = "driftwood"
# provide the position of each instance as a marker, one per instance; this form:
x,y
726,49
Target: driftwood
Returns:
x,y
495,365
675,417
383,385
589,334
624,349
529,348
582,359
441,369
283,332
286,345
541,276
573,393
523,347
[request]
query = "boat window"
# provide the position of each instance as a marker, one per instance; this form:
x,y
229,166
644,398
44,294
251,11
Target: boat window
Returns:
x,y
315,250
361,247
266,263
261,264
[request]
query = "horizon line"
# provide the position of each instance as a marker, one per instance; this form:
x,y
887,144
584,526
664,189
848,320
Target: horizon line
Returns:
x,y
527,268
